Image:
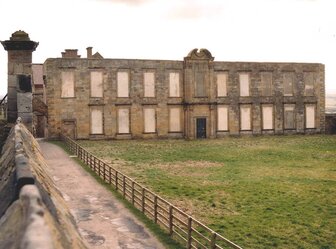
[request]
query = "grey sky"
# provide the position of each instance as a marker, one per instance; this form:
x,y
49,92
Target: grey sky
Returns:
x,y
232,30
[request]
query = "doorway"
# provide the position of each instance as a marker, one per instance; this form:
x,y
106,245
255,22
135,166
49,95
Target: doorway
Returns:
x,y
201,128
69,128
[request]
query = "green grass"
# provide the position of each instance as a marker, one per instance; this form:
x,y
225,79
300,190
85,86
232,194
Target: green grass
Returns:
x,y
164,238
260,192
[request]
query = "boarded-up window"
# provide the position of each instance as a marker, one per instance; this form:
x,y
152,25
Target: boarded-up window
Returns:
x,y
68,85
174,119
289,116
222,84
97,84
123,120
174,85
309,81
288,83
96,120
149,84
200,84
122,84
244,84
222,118
149,120
310,116
267,117
245,117
266,83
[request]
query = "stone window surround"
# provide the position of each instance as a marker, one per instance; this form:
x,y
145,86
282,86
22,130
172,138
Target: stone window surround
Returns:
x,y
129,119
227,117
102,72
240,117
305,115
123,70
262,116
181,113
92,107
226,73
294,113
74,82
248,73
262,89
155,118
307,91
179,84
197,93
292,73
153,71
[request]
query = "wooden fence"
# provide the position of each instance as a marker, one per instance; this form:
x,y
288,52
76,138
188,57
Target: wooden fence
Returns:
x,y
179,225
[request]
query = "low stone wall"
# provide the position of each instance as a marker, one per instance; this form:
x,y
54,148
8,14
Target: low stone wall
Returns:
x,y
331,123
33,212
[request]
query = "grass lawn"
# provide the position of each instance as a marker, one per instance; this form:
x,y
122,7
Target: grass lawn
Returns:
x,y
260,192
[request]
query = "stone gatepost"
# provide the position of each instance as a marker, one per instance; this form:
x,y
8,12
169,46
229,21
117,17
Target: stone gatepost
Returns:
x,y
20,49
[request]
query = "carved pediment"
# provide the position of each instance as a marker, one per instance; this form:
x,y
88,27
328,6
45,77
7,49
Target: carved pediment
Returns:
x,y
200,54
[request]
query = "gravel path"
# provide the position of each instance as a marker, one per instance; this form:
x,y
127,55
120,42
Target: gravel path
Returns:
x,y
102,220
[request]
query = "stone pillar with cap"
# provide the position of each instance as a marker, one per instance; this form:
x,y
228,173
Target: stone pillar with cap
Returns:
x,y
20,49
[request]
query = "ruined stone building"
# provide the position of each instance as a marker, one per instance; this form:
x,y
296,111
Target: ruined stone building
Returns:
x,y
196,97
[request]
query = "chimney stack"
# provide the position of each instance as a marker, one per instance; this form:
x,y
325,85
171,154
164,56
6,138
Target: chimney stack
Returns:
x,y
89,52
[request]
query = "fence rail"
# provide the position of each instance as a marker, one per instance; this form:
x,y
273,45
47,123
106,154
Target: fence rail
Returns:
x,y
179,225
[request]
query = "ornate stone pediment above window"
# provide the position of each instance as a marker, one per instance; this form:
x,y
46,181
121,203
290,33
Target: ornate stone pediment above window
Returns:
x,y
199,54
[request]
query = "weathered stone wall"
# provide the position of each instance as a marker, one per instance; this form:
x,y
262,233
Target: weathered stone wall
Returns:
x,y
198,97
33,214
64,112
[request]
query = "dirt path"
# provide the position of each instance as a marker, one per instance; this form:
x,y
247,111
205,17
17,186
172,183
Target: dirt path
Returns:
x,y
102,220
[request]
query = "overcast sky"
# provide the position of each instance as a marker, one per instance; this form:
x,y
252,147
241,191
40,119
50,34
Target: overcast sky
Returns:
x,y
232,30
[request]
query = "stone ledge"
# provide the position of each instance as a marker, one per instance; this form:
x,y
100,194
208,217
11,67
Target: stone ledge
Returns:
x,y
36,233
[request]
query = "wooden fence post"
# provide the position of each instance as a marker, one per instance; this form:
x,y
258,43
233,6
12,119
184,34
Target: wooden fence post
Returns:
x,y
155,208
133,193
109,170
124,186
213,240
189,239
143,200
116,180
105,172
170,220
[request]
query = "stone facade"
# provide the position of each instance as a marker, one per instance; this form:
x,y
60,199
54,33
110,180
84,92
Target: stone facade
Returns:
x,y
194,98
